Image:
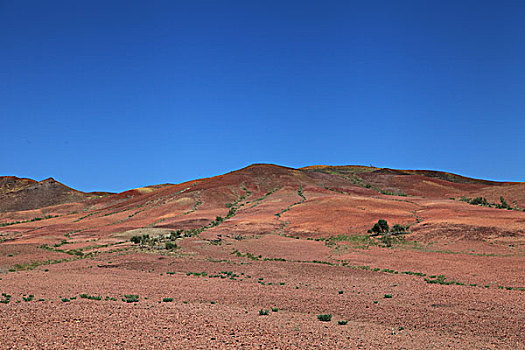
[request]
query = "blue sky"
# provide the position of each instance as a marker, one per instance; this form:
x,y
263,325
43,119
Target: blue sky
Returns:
x,y
112,95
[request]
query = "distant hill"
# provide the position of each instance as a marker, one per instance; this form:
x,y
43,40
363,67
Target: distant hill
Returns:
x,y
24,194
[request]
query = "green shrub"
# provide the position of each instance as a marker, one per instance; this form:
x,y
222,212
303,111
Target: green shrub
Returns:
x,y
388,296
7,298
167,300
274,309
342,323
324,317
264,312
170,246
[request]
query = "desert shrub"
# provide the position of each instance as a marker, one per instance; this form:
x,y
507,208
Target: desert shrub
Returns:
x,y
441,279
420,274
341,292
479,201
264,312
167,300
387,296
7,298
231,212
141,239
504,204
342,323
274,309
170,246
176,234
324,317
28,298
397,228
130,298
90,297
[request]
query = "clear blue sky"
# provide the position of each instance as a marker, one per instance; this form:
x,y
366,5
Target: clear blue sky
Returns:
x,y
111,95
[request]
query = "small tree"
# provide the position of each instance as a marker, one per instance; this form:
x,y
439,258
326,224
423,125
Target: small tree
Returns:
x,y
380,227
384,225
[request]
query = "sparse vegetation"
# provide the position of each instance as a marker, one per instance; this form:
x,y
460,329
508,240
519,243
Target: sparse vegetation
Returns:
x,y
441,279
30,220
264,312
482,201
420,274
34,264
84,217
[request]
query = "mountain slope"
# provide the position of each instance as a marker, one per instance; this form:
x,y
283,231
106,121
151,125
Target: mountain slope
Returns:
x,y
318,201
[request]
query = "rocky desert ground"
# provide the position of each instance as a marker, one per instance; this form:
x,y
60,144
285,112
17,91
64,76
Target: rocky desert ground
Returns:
x,y
266,257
